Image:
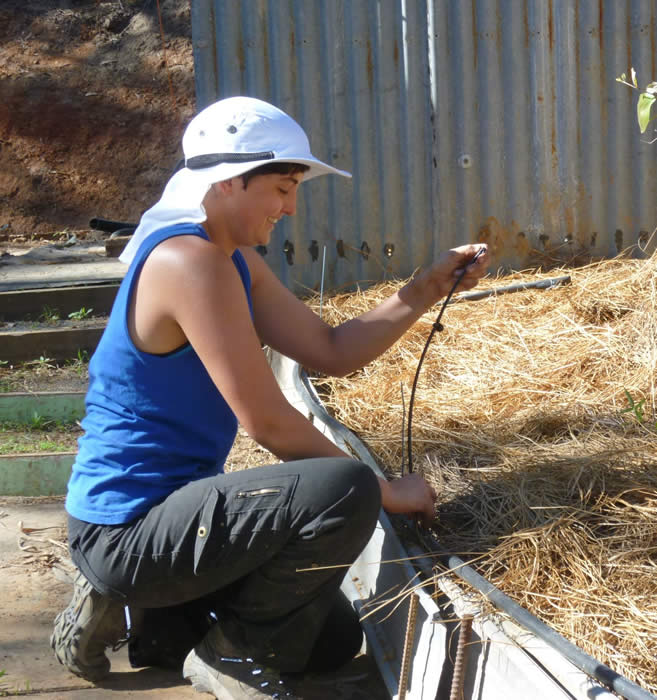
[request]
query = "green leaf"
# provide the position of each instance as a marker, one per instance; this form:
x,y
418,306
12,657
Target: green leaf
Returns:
x,y
636,85
651,88
643,108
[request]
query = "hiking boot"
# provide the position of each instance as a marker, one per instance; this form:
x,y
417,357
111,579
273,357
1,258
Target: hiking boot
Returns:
x,y
235,679
89,624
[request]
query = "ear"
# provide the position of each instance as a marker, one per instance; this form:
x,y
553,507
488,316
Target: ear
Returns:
x,y
220,188
235,184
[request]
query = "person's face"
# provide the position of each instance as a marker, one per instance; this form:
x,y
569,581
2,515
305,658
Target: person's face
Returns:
x,y
256,209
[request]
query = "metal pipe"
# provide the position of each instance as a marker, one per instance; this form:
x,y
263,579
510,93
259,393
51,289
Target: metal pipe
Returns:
x,y
517,287
601,672
594,668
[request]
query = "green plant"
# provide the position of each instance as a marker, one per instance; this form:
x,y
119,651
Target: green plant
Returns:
x,y
637,409
49,315
646,100
39,422
42,362
79,363
80,314
49,446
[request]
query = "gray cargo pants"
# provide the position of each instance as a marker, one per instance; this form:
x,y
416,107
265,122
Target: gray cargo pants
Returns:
x,y
268,547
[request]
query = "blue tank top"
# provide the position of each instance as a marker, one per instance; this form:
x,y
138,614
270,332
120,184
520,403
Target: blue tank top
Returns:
x,y
153,422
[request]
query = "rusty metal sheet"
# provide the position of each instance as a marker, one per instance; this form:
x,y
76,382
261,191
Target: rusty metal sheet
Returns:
x,y
460,121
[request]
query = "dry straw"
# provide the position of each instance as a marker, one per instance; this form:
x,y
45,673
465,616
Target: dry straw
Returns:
x,y
523,419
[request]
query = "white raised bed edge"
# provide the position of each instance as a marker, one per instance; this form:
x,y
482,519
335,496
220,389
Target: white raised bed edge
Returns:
x,y
505,661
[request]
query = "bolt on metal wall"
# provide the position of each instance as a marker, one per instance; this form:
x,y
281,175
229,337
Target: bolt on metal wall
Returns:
x,y
461,120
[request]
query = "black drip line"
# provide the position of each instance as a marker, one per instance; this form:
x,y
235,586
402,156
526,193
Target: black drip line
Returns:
x,y
437,326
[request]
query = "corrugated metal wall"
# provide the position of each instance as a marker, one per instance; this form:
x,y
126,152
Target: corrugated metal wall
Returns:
x,y
461,120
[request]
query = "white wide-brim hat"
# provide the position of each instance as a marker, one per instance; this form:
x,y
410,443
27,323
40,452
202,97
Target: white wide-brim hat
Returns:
x,y
226,139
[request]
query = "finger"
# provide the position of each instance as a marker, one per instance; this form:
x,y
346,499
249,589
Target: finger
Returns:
x,y
475,261
475,271
470,281
479,259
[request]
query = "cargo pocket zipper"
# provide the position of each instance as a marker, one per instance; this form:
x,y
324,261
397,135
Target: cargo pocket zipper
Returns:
x,y
258,492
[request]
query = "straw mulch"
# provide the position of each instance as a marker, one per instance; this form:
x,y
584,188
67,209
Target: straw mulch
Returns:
x,y
523,420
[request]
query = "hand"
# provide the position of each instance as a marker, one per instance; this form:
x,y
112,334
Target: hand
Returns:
x,y
410,494
440,277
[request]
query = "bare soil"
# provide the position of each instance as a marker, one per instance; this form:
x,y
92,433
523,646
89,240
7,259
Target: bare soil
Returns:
x,y
42,375
94,95
92,103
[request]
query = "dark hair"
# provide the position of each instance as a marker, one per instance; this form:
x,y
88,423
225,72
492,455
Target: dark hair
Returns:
x,y
278,168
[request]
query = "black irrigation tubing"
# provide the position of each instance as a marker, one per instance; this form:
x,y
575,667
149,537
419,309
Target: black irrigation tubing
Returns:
x,y
109,226
437,326
596,669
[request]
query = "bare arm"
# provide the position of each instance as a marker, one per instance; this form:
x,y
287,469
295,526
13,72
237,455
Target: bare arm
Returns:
x,y
209,308
291,327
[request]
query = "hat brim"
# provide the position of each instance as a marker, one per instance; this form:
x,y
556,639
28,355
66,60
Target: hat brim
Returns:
x,y
226,171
